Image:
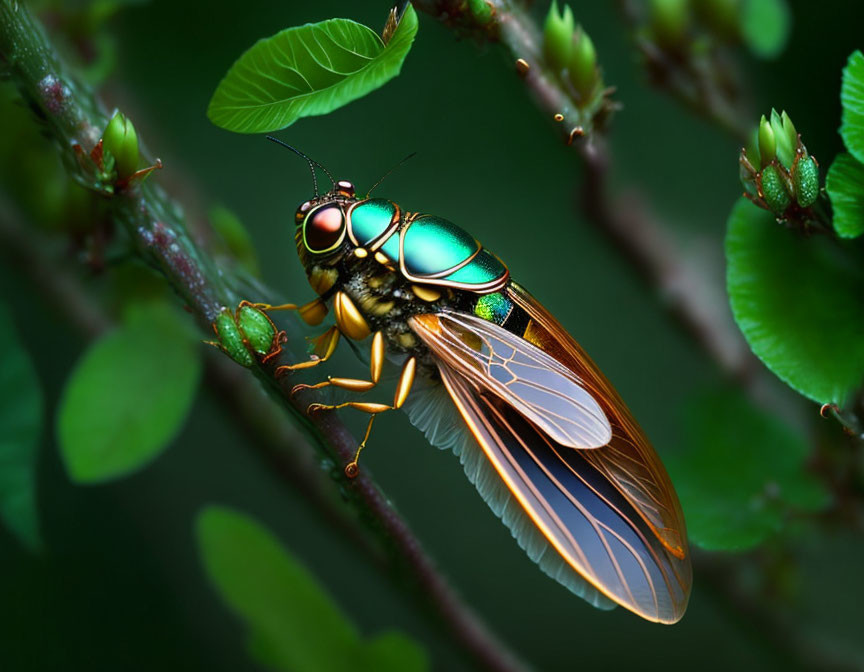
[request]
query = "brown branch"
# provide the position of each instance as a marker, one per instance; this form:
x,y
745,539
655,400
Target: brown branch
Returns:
x,y
625,223
73,118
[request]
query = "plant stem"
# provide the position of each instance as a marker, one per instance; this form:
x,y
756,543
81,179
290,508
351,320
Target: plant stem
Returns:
x,y
73,116
652,252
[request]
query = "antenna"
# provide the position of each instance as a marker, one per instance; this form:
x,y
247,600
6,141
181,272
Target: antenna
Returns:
x,y
398,165
312,163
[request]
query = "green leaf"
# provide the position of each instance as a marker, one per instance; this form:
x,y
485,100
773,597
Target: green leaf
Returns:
x,y
393,652
128,396
21,411
293,624
798,301
852,99
765,26
306,71
845,186
740,473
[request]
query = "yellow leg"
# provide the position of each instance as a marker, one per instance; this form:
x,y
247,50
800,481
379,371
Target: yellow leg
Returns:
x,y
312,313
376,365
403,388
325,346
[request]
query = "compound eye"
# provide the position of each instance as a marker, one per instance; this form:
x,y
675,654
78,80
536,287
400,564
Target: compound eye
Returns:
x,y
301,213
324,228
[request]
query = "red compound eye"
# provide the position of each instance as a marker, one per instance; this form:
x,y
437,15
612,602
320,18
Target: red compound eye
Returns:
x,y
324,228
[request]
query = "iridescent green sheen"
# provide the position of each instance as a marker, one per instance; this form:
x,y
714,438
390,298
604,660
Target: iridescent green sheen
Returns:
x,y
433,244
493,308
483,268
231,339
371,218
258,329
390,248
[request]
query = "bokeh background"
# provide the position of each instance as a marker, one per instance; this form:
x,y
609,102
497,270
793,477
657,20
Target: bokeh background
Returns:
x,y
120,586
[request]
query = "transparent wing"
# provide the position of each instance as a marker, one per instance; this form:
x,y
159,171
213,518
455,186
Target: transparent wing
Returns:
x,y
585,520
628,461
533,382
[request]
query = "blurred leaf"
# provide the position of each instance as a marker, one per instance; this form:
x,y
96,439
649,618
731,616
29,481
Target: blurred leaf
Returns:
x,y
129,395
392,651
798,301
306,71
236,237
293,624
852,99
845,185
20,425
765,26
740,474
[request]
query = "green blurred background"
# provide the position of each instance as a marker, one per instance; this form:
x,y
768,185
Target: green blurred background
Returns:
x,y
120,586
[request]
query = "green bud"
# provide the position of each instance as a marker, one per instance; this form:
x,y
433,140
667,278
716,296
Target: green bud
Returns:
x,y
231,338
774,190
805,178
121,142
258,329
786,138
767,142
583,63
669,19
481,10
246,334
558,36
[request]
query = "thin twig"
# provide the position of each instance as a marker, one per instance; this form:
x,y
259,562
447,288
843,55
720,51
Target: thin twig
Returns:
x,y
652,253
72,115
626,224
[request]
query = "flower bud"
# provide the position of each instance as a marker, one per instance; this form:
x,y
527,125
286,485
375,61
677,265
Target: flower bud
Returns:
x,y
583,63
481,10
767,142
669,20
774,190
786,138
558,36
121,142
805,178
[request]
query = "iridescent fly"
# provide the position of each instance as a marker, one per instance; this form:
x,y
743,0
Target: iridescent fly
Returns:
x,y
489,373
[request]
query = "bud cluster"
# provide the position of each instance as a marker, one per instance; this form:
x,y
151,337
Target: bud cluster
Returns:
x,y
777,172
570,52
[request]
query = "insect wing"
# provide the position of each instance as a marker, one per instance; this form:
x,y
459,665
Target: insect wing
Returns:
x,y
628,461
534,383
582,516
610,512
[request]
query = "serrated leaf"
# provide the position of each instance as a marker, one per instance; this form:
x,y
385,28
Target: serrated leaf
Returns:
x,y
852,99
128,396
740,473
845,186
21,411
797,300
293,625
765,26
306,71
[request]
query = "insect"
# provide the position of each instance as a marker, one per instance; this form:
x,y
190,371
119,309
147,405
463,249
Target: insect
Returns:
x,y
487,371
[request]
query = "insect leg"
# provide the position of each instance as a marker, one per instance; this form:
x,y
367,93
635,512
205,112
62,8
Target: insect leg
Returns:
x,y
325,345
376,365
312,313
403,389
